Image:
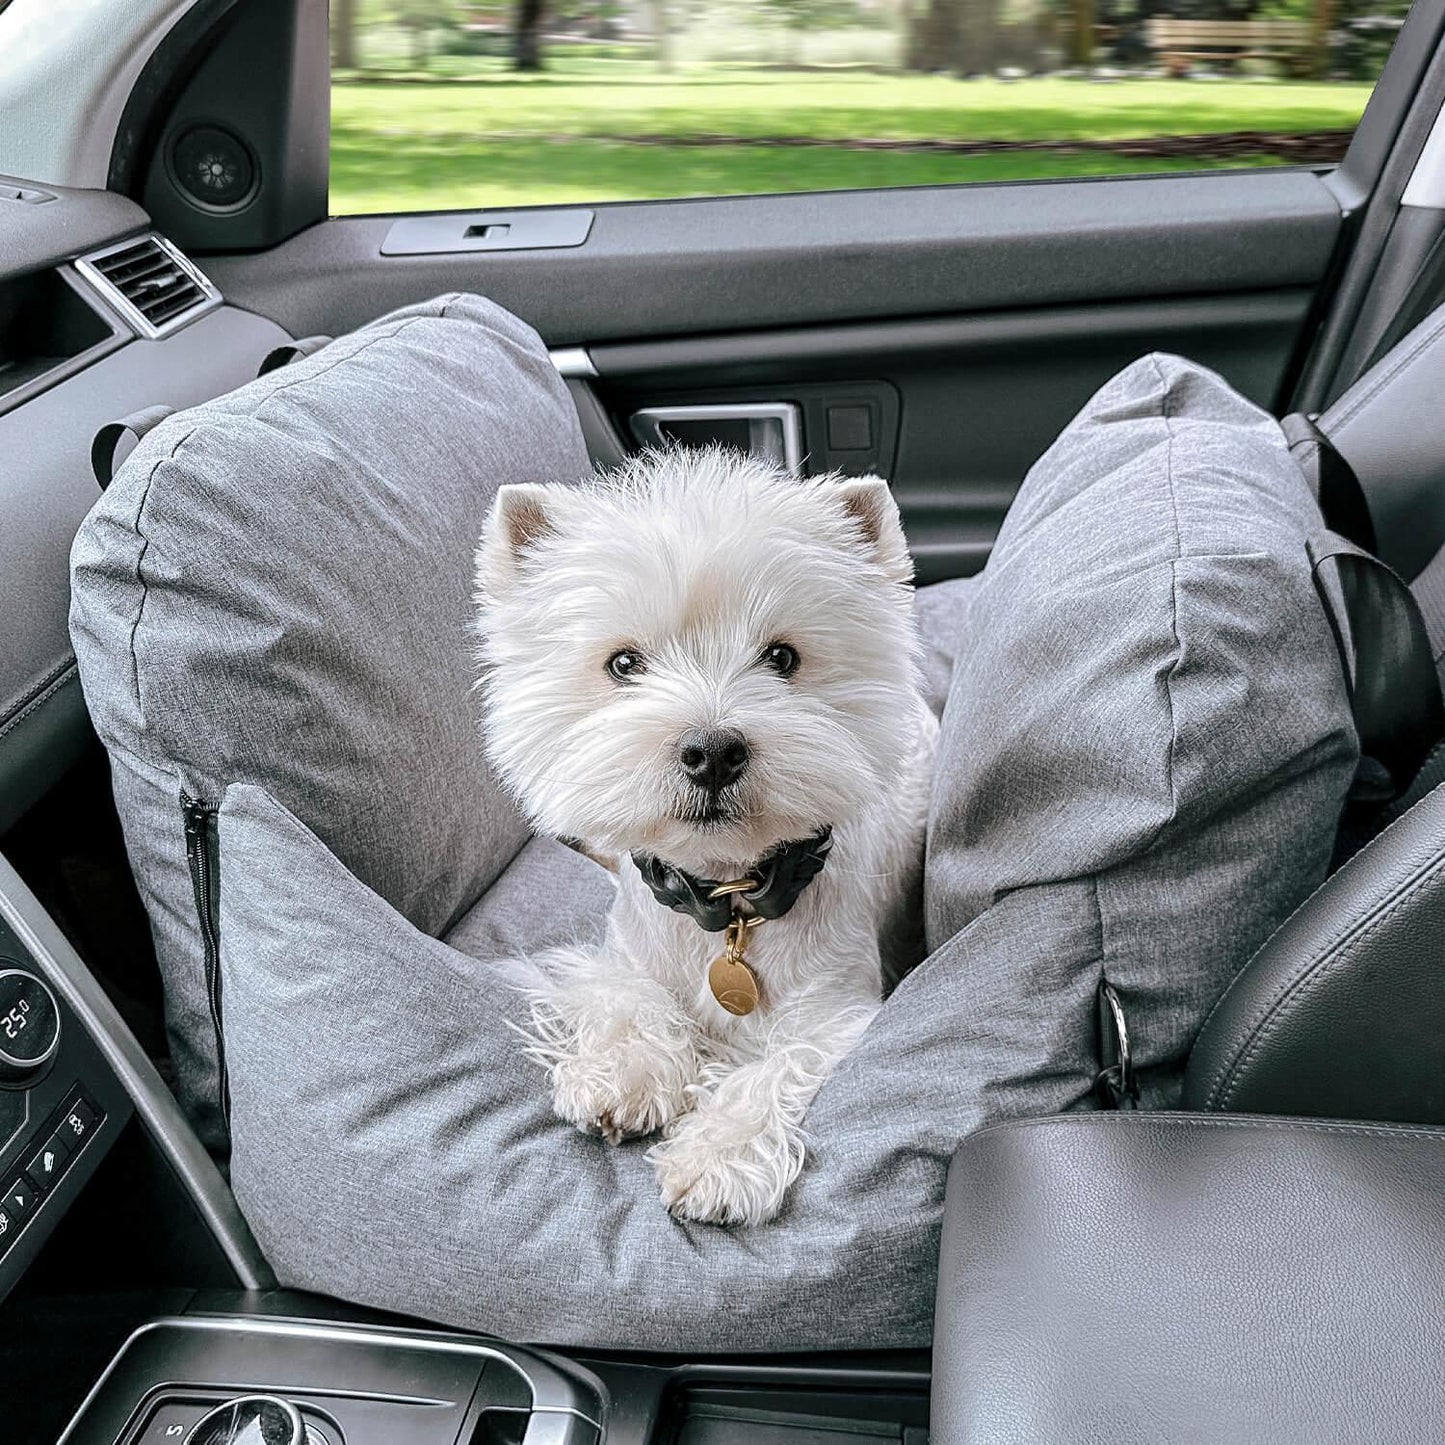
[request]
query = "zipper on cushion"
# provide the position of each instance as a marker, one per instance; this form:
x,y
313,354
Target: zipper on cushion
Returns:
x,y
203,857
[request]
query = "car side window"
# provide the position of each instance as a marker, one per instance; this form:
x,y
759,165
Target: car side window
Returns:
x,y
447,104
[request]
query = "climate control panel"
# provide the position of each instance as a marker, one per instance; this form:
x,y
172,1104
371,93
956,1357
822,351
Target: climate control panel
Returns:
x,y
61,1106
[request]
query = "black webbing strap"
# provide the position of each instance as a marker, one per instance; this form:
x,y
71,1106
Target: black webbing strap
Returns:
x,y
1391,639
1429,590
1389,670
108,440
292,351
1332,479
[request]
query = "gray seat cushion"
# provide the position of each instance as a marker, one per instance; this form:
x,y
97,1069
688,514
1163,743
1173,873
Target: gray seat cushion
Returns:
x,y
546,896
276,588
1147,702
1146,748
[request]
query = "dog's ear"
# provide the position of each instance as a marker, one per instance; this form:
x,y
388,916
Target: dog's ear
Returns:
x,y
520,517
868,503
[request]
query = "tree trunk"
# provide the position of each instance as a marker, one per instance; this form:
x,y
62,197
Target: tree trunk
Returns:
x,y
343,34
1083,36
1322,21
977,30
662,35
932,36
527,39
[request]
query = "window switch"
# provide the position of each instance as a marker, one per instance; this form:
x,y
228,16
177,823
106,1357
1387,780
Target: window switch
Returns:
x,y
850,428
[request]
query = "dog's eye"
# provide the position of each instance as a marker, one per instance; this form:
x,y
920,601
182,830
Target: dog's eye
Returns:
x,y
626,665
782,658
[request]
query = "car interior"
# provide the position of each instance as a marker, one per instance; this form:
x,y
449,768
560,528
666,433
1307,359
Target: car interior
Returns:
x,y
1266,1264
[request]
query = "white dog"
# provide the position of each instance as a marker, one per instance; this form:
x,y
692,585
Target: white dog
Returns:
x,y
709,671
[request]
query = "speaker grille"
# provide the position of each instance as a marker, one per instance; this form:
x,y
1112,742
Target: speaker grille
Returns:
x,y
213,168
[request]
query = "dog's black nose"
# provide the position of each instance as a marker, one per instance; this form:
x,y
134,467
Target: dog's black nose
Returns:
x,y
712,757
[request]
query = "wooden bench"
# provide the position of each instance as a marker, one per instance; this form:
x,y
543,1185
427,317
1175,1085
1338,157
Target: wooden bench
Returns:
x,y
1177,42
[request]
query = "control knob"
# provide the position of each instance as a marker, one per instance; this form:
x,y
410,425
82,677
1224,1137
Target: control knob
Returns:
x,y
29,1027
254,1420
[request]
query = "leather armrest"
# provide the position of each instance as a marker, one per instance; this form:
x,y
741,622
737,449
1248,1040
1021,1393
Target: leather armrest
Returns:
x,y
1145,1277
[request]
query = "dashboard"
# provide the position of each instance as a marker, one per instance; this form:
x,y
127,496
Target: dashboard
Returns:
x,y
74,356
103,324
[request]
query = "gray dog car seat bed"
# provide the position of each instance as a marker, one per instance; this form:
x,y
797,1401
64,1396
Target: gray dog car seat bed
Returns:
x,y
1146,747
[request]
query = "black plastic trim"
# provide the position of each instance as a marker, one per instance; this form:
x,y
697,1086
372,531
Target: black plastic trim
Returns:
x,y
1370,182
183,47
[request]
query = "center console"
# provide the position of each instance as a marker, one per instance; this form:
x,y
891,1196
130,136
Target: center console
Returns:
x,y
240,1380
277,1368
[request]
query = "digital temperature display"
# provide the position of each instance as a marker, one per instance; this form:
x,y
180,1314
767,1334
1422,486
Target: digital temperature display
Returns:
x,y
14,1022
29,1025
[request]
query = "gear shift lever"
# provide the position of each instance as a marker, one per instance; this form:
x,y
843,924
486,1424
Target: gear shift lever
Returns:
x,y
251,1420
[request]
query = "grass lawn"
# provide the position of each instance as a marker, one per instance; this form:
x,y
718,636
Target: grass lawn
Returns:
x,y
499,139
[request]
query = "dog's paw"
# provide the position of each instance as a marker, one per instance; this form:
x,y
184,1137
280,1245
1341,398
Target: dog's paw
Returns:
x,y
717,1166
620,1083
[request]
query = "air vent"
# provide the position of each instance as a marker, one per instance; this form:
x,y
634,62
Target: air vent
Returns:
x,y
150,283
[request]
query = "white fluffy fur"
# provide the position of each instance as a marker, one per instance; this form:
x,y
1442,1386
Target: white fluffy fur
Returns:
x,y
699,561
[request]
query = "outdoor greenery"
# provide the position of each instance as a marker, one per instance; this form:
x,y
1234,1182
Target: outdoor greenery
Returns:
x,y
432,109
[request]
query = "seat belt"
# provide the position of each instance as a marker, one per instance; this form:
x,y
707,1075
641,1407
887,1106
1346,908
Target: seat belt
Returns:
x,y
1332,479
1391,638
1388,662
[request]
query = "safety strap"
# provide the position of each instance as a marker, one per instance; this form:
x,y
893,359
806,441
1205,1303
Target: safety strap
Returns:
x,y
1389,665
108,439
1429,590
1390,635
292,351
1332,479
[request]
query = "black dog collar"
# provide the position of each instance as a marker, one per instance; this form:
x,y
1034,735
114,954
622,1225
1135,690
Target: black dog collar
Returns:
x,y
778,880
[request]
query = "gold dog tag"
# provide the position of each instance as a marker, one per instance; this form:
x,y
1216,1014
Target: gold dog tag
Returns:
x,y
734,985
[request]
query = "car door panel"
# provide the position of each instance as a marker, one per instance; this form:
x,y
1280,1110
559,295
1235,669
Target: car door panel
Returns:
x,y
980,397
671,268
973,321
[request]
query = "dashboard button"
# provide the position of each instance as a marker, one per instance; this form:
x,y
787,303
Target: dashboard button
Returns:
x,y
9,1228
48,1163
76,1127
19,1199
29,1027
